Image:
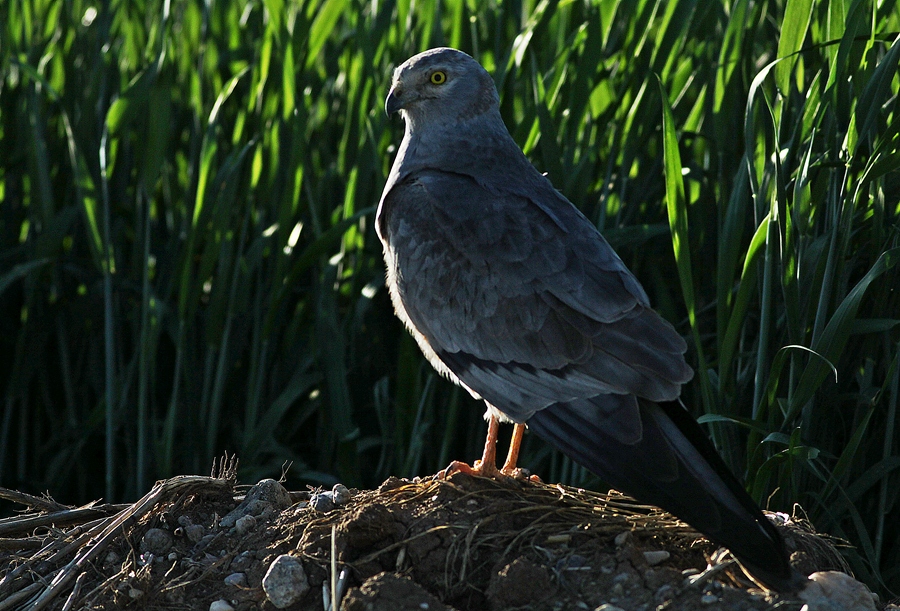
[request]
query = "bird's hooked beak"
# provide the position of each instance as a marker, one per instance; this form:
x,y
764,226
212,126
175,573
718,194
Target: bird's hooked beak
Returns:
x,y
394,101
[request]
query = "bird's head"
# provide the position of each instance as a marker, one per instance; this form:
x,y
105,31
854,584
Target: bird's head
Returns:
x,y
438,86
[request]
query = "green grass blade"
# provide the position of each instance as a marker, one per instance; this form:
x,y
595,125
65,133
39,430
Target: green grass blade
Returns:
x,y
794,26
868,108
834,337
676,205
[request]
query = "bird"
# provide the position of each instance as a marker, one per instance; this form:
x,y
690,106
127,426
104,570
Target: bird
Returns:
x,y
513,294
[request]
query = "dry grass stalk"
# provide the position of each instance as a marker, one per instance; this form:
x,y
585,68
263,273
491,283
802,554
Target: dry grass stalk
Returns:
x,y
27,587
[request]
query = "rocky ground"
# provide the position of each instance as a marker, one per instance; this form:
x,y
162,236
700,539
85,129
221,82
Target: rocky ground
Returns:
x,y
464,544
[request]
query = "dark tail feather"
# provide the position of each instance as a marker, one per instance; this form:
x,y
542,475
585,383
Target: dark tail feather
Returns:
x,y
675,467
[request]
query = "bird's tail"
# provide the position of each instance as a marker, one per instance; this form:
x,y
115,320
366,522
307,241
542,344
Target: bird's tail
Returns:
x,y
674,466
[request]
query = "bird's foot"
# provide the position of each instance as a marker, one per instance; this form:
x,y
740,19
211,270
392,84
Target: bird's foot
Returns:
x,y
487,466
481,469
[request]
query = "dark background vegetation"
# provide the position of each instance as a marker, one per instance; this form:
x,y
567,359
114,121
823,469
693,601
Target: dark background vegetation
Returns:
x,y
188,264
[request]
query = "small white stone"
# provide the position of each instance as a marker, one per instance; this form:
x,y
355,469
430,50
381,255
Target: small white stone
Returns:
x,y
238,580
285,582
622,538
220,605
836,591
340,494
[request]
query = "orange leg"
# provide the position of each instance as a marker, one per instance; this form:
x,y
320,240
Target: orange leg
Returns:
x,y
487,466
509,467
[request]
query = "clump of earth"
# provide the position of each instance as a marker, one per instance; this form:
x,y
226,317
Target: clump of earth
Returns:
x,y
463,543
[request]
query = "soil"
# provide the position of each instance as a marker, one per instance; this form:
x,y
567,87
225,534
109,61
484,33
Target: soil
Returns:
x,y
464,544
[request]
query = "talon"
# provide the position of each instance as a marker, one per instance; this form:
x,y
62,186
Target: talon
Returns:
x,y
458,466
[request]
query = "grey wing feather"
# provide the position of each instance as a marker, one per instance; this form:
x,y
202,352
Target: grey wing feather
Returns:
x,y
523,309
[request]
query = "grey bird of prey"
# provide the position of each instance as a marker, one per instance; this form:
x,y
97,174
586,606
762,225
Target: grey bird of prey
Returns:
x,y
514,295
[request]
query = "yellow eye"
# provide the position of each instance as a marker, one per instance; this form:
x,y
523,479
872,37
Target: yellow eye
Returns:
x,y
438,77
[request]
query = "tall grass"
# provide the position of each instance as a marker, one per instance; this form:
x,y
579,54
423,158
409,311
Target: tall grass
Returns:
x,y
188,263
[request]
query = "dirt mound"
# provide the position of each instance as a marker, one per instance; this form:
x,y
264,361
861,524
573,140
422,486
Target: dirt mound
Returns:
x,y
468,544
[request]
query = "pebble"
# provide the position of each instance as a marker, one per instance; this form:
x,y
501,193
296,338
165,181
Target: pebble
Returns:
x,y
656,557
220,605
608,564
242,561
194,532
204,541
664,593
266,497
836,591
156,541
172,557
238,580
622,538
270,491
134,593
340,494
244,524
708,599
322,501
285,582
608,607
